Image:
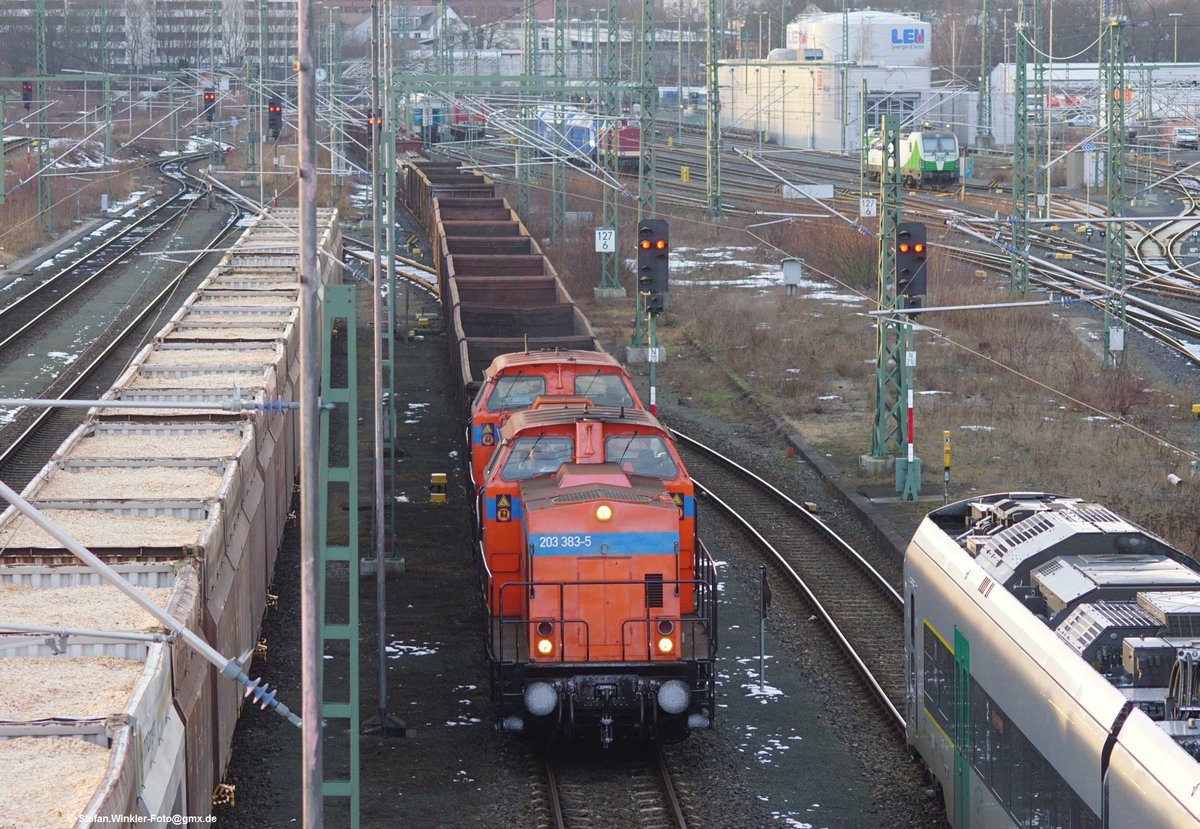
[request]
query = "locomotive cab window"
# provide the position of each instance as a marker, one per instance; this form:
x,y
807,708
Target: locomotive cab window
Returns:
x,y
515,392
641,455
604,390
532,456
941,144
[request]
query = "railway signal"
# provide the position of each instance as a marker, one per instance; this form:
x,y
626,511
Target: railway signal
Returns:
x,y
374,125
210,104
27,93
910,262
653,263
275,117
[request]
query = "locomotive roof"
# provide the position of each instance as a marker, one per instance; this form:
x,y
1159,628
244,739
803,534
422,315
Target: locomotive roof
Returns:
x,y
593,481
528,420
517,359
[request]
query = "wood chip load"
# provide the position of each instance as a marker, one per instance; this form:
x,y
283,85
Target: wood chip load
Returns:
x,y
200,358
97,528
112,482
222,444
48,781
148,489
90,606
213,331
213,380
70,687
246,298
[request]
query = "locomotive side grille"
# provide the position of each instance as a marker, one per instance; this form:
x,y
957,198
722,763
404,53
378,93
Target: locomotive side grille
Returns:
x,y
602,493
654,590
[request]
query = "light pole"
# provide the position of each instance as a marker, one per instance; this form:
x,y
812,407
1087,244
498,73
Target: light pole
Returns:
x,y
596,44
812,109
760,33
1175,19
679,66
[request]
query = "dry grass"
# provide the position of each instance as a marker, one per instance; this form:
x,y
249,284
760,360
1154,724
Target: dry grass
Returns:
x,y
1022,393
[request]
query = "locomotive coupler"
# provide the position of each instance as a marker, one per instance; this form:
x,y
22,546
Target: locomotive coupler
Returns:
x,y
605,693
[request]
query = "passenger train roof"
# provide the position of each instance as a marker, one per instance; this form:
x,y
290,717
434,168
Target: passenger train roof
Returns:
x,y
1012,534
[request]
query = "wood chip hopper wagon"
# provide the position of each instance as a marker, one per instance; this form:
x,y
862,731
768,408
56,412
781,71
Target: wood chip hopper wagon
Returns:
x,y
189,505
501,294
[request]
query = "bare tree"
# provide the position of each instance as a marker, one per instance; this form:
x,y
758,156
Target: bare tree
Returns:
x,y
140,34
235,32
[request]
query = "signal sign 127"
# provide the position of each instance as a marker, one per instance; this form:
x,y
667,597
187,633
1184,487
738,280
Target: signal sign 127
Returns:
x,y
606,240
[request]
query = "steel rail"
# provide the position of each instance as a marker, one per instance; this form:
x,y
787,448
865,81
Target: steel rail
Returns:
x,y
8,453
821,612
816,523
670,793
7,311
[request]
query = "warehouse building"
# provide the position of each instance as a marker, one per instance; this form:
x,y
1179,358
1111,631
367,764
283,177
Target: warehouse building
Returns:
x,y
817,95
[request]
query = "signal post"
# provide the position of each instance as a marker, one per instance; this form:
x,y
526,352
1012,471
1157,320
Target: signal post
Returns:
x,y
653,283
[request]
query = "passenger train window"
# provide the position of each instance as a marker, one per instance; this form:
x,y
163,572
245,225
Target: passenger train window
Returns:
x,y
532,456
515,392
604,389
641,455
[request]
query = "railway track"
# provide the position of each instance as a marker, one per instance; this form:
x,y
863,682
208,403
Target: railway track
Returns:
x,y
35,433
854,594
41,299
624,787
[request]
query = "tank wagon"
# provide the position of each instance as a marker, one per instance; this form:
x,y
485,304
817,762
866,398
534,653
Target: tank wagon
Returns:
x,y
600,598
928,158
191,506
1052,651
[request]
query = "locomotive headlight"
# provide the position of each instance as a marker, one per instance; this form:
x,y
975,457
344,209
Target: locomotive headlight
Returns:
x,y
604,512
544,644
666,644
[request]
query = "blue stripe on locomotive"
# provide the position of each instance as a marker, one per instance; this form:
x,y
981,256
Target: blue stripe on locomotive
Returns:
x,y
603,544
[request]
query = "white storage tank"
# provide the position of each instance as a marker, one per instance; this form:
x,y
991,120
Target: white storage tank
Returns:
x,y
875,38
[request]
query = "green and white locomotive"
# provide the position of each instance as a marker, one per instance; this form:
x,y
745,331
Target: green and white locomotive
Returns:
x,y
928,158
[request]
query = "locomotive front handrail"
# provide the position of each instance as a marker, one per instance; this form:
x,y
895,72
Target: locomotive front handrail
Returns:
x,y
705,616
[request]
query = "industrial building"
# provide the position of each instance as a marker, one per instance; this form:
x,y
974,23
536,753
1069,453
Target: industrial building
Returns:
x,y
819,95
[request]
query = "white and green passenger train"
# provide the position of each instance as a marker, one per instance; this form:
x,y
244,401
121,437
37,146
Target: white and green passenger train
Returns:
x,y
928,158
1053,659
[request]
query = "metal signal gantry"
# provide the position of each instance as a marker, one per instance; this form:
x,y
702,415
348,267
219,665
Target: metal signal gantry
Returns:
x,y
1112,46
1018,274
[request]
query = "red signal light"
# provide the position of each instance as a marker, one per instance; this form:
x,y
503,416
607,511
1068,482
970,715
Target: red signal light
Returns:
x,y
919,248
903,247
661,244
645,244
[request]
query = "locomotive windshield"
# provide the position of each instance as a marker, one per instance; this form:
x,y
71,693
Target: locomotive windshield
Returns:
x,y
641,455
542,455
940,143
604,389
515,392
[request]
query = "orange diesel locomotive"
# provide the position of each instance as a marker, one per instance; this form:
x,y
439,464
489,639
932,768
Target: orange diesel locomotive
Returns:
x,y
601,598
513,381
